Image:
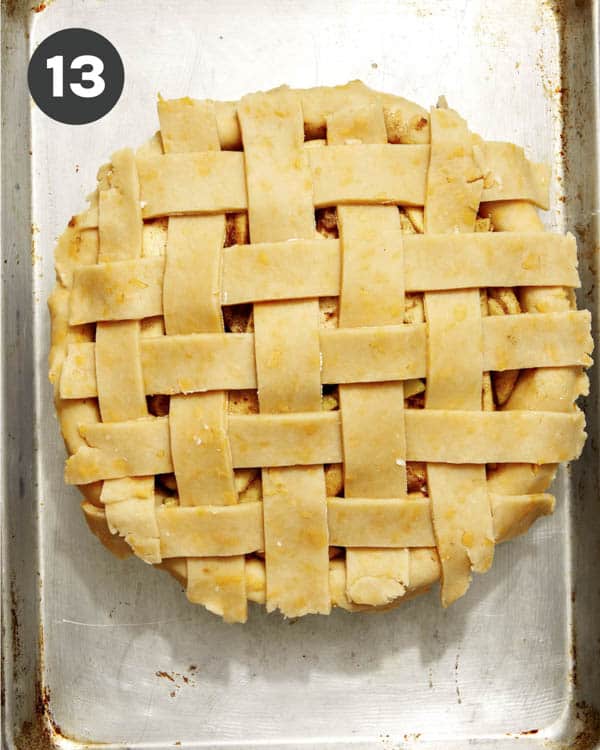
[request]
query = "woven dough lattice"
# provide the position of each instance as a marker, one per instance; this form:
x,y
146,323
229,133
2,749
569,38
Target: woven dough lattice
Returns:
x,y
312,348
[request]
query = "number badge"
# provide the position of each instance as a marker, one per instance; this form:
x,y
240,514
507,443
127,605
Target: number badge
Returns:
x,y
76,76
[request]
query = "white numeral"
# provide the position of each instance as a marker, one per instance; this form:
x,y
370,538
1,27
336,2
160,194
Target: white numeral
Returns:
x,y
55,64
93,75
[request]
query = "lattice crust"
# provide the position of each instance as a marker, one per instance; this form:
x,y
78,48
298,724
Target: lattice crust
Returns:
x,y
311,349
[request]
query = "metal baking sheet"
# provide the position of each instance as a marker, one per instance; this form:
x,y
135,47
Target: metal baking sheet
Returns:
x,y
100,651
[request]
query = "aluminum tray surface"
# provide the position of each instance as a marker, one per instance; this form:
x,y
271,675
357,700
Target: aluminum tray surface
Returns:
x,y
102,651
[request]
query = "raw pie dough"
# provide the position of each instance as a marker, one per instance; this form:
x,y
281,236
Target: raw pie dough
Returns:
x,y
313,349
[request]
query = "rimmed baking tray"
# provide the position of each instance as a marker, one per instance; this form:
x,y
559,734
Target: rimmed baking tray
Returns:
x,y
98,652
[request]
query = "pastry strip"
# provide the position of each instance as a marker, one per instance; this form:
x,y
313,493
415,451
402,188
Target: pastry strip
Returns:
x,y
192,304
280,207
201,362
213,182
297,269
73,247
130,512
187,125
191,294
369,174
552,389
461,513
509,175
142,447
201,531
129,503
203,182
210,530
372,293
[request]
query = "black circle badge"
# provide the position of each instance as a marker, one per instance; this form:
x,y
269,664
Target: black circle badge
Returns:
x,y
76,76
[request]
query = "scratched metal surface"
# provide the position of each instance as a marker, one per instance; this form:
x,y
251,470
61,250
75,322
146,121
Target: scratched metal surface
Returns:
x,y
113,649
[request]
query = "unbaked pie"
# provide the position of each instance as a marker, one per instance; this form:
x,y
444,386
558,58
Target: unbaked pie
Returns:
x,y
314,349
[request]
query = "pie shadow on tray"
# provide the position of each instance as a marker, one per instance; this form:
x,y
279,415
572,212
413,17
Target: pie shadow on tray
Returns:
x,y
143,604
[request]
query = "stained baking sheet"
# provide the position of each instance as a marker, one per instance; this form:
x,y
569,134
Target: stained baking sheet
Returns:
x,y
101,651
